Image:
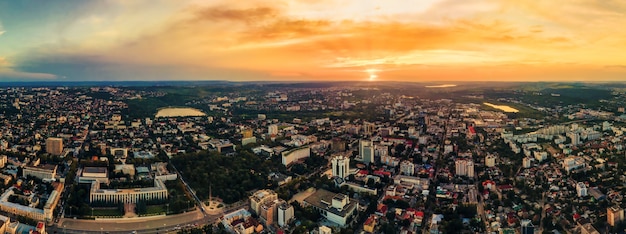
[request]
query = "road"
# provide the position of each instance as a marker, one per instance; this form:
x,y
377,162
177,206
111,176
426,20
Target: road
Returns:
x,y
159,224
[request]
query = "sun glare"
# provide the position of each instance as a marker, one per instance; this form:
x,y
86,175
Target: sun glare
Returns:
x,y
372,74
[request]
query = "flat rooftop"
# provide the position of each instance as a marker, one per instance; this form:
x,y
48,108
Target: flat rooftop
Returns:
x,y
323,199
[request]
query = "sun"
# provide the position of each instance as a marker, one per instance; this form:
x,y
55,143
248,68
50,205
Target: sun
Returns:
x,y
372,74
373,77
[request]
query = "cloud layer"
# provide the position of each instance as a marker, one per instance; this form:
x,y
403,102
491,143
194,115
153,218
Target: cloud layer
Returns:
x,y
325,39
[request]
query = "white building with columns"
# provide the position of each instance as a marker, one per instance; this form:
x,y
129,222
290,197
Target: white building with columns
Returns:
x,y
159,191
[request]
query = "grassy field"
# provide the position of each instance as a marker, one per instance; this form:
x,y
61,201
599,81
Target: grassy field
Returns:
x,y
107,212
157,209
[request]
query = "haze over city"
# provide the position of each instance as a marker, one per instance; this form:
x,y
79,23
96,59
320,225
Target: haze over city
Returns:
x,y
321,40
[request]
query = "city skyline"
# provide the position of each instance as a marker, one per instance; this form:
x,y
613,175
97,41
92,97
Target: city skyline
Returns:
x,y
312,40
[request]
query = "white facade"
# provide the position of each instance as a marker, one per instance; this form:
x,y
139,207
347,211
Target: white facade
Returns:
x,y
159,191
341,166
42,171
572,163
291,156
285,214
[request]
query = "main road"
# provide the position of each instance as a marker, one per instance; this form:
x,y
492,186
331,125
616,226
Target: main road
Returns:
x,y
156,224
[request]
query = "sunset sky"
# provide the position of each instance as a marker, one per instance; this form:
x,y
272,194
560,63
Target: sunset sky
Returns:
x,y
299,40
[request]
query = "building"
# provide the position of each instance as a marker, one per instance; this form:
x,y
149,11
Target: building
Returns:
x,y
268,212
247,133
272,130
540,156
248,140
45,214
335,207
262,196
90,174
325,230
119,153
573,163
285,214
464,167
574,137
54,146
614,215
527,227
4,222
42,171
341,166
338,145
158,192
3,160
370,224
407,168
288,157
490,160
241,222
366,151
527,162
581,189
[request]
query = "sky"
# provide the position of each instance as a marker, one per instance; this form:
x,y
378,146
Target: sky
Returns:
x,y
313,40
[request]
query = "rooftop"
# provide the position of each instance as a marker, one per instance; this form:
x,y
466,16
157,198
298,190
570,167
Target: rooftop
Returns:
x,y
323,199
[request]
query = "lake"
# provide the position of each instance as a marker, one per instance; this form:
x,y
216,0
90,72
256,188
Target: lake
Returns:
x,y
179,112
502,107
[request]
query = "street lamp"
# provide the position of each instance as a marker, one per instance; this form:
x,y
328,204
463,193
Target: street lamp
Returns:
x,y
168,209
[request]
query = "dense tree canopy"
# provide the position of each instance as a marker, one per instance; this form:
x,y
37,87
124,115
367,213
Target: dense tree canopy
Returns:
x,y
230,177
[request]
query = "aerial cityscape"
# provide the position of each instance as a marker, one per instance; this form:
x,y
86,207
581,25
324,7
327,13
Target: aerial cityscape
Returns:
x,y
312,117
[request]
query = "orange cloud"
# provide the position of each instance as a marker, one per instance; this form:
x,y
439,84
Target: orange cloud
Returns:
x,y
477,39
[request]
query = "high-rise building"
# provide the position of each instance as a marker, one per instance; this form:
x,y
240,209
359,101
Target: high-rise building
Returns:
x,y
366,151
285,214
614,215
272,129
470,168
460,166
341,166
527,227
464,167
54,146
574,137
267,212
